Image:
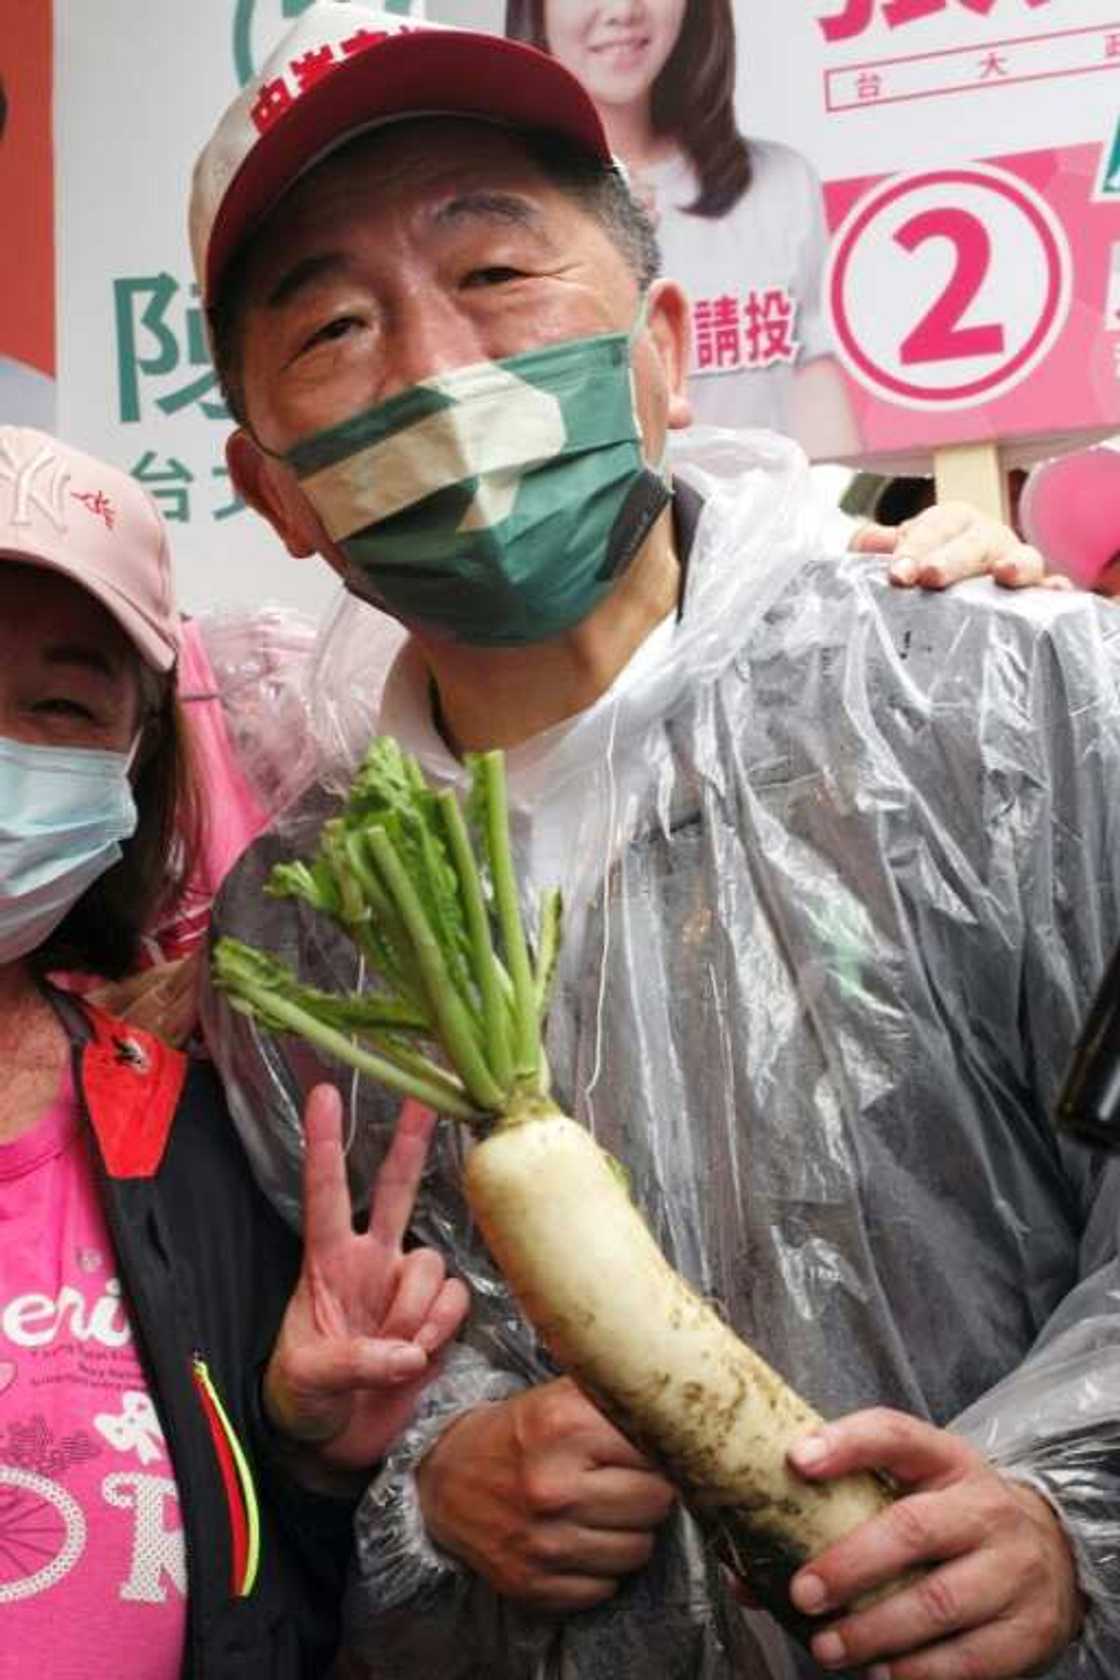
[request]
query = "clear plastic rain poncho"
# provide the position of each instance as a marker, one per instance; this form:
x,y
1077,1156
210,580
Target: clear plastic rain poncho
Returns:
x,y
842,868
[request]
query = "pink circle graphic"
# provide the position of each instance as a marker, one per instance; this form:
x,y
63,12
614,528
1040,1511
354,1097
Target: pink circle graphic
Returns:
x,y
1046,328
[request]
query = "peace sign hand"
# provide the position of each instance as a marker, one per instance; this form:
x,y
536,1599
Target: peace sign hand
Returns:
x,y
363,1329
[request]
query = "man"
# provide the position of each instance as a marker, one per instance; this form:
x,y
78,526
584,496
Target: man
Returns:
x,y
839,867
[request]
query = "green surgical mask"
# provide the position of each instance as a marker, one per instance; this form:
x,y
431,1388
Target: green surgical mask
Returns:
x,y
499,503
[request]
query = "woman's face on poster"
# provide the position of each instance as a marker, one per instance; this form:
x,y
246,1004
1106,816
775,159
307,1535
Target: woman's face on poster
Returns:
x,y
617,48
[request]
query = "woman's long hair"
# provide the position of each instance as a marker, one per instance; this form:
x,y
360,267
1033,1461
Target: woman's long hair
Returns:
x,y
692,100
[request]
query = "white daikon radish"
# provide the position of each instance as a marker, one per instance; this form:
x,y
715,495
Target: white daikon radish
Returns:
x,y
459,1026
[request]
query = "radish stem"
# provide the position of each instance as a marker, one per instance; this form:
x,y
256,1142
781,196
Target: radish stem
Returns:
x,y
398,871
527,1040
282,1015
495,1013
447,1006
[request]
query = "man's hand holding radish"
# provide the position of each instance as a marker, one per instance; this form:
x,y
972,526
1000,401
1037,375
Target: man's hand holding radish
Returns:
x,y
544,1498
998,1597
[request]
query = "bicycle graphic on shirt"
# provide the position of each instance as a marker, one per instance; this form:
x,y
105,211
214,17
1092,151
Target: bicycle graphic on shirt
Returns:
x,y
42,1533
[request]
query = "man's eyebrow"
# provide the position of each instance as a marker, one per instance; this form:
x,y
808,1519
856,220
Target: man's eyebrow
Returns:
x,y
304,273
490,206
83,656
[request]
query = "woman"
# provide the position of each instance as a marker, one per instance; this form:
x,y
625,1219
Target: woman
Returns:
x,y
741,223
172,1384
241,687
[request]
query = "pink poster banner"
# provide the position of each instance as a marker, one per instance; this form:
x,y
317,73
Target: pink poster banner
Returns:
x,y
897,221
969,155
978,301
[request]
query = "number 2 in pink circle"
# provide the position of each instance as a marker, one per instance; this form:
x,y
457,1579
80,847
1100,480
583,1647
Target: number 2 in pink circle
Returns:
x,y
939,336
948,286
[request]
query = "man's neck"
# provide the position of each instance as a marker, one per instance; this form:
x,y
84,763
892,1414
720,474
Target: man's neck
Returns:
x,y
499,697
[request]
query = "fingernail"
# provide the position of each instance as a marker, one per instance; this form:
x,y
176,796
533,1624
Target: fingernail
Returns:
x,y
428,1338
828,1649
810,1450
809,1593
904,571
406,1362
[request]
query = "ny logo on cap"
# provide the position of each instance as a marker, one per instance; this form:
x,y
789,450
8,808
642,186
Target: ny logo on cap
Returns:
x,y
38,484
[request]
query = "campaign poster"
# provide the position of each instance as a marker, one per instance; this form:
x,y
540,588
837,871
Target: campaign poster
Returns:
x,y
898,220
27,354
973,280
138,92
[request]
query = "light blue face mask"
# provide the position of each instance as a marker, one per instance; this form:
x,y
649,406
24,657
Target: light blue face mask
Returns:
x,y
498,504
63,813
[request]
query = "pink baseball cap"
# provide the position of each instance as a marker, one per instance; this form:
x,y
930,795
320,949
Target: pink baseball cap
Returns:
x,y
66,511
1070,511
343,68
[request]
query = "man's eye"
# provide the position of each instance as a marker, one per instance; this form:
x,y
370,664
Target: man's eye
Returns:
x,y
338,328
494,276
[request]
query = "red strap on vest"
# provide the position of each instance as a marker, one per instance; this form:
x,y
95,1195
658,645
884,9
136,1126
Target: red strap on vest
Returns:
x,y
132,1083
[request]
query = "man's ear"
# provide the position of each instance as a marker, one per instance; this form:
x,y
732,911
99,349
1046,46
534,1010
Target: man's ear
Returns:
x,y
271,489
669,323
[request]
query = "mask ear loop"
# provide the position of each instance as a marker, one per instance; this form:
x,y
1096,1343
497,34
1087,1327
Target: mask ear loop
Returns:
x,y
156,703
130,759
641,321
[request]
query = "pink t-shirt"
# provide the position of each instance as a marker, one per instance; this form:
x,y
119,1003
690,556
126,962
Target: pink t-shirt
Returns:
x,y
92,1567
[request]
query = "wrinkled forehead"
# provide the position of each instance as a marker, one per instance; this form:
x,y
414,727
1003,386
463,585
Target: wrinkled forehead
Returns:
x,y
406,168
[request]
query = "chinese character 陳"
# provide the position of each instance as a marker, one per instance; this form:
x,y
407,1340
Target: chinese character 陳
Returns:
x,y
164,356
148,347
768,331
168,485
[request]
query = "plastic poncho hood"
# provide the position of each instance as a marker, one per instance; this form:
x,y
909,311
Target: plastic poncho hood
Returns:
x,y
846,869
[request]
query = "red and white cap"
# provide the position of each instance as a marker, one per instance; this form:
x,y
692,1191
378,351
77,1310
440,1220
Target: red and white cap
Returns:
x,y
343,68
1070,511
94,524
